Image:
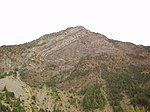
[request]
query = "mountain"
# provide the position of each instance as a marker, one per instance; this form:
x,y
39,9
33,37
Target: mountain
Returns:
x,y
76,70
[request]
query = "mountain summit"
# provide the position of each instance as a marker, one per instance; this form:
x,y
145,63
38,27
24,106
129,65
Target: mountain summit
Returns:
x,y
102,74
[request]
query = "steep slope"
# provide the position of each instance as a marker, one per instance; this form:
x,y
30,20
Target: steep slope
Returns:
x,y
78,60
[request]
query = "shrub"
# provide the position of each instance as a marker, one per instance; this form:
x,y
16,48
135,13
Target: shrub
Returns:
x,y
93,98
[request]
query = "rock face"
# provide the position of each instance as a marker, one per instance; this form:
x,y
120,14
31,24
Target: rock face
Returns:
x,y
74,59
53,53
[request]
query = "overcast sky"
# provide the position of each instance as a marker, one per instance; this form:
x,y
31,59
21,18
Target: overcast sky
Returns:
x,y
25,20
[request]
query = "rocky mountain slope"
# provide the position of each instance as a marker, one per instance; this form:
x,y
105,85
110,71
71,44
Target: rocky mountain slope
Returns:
x,y
77,70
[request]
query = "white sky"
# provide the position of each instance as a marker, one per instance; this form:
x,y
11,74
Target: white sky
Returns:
x,y
25,20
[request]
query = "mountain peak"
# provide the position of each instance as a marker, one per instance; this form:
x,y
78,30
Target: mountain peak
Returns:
x,y
79,27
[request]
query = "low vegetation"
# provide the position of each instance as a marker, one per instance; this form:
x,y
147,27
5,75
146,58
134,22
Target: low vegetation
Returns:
x,y
147,48
93,98
8,102
10,73
128,82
